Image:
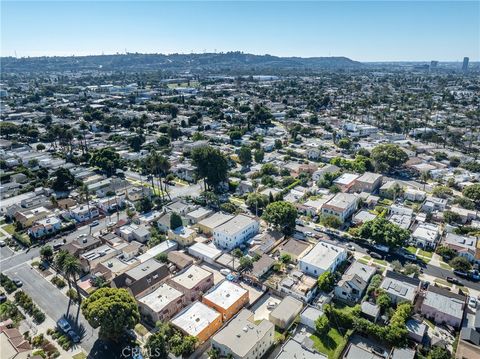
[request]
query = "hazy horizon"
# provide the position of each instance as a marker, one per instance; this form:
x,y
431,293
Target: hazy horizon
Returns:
x,y
378,31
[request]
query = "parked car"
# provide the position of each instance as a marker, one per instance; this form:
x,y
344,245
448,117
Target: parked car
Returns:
x,y
376,255
350,247
64,325
454,281
425,285
3,298
74,336
472,303
271,305
2,244
94,223
461,274
57,246
18,282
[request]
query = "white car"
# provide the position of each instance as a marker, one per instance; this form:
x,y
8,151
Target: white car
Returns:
x,y
472,303
82,235
225,271
271,305
350,247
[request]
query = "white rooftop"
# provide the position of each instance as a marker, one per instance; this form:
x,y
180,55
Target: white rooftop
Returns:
x,y
191,277
194,319
226,294
161,297
323,255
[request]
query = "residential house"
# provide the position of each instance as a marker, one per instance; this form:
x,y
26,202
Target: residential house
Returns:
x,y
142,279
400,288
285,312
227,298
443,306
354,282
193,282
342,206
198,215
81,213
368,182
181,260
321,258
295,249
207,225
426,235
465,246
28,217
235,232
82,245
161,304
45,227
244,338
182,235
346,181
198,320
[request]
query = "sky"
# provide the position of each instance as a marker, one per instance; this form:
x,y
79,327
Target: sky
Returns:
x,y
360,30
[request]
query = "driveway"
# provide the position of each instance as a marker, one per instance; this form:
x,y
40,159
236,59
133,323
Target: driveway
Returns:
x,y
53,302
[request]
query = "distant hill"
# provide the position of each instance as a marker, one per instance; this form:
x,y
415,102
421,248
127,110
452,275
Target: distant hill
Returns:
x,y
224,62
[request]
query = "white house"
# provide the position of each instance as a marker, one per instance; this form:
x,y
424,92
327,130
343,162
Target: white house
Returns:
x,y
342,206
323,257
426,235
235,232
80,213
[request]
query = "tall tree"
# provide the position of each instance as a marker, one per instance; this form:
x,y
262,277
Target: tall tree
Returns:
x,y
211,165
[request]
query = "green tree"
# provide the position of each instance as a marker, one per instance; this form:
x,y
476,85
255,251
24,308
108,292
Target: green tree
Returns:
x,y
245,156
344,143
286,258
322,325
382,231
246,263
442,192
72,269
256,201
46,252
237,253
438,352
451,217
461,264
259,155
156,346
40,147
326,281
211,165
113,310
281,215
107,160
388,156
473,192
175,221
384,301
62,179
330,221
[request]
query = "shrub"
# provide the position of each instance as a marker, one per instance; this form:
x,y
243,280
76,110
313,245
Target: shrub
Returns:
x,y
38,340
59,282
72,294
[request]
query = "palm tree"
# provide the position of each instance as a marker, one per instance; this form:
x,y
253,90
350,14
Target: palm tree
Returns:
x,y
425,176
72,267
60,260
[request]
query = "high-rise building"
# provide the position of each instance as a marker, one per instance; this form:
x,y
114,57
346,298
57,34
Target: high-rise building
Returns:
x,y
465,64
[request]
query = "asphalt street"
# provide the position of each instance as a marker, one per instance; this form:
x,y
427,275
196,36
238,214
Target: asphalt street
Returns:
x,y
53,302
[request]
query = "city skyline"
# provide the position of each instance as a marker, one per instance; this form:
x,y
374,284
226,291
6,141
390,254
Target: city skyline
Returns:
x,y
363,31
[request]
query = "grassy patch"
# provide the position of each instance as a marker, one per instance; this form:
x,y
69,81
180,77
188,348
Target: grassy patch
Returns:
x,y
380,268
442,282
411,249
425,254
140,329
81,355
381,262
423,259
9,228
278,337
330,343
367,258
363,261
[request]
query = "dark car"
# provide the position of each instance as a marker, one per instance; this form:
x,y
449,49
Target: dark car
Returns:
x,y
64,325
454,281
376,255
17,282
74,336
461,274
425,285
3,298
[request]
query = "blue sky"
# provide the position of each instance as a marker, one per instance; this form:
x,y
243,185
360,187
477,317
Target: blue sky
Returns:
x,y
361,30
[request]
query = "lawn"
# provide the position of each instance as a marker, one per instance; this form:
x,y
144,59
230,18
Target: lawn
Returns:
x,y
79,356
363,261
381,262
425,253
412,250
330,344
9,228
442,282
141,330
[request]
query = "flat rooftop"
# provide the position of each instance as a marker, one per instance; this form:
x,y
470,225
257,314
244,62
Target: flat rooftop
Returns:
x,y
194,319
241,334
191,277
323,255
235,224
226,294
215,220
161,297
341,201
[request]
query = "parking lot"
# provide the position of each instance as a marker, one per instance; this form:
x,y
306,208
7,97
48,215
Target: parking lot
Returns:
x,y
261,310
